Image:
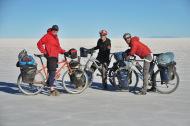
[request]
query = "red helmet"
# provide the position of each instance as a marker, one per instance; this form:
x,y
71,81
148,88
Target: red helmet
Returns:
x,y
103,32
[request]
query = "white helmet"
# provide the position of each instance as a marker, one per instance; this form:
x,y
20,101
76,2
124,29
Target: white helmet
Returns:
x,y
103,32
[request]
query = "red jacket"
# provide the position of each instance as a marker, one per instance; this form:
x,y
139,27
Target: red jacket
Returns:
x,y
49,44
138,48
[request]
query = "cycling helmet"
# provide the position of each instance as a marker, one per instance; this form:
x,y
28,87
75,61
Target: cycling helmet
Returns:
x,y
103,32
126,35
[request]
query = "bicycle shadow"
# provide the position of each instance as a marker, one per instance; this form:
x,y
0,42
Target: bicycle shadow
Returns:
x,y
99,86
10,88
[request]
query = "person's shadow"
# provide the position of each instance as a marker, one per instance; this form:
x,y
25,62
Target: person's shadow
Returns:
x,y
10,88
99,86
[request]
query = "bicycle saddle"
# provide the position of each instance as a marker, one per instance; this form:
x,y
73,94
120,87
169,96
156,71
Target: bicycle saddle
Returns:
x,y
157,54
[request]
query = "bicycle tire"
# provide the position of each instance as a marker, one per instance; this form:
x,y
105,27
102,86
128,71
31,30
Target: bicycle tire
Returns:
x,y
21,88
90,77
74,92
169,91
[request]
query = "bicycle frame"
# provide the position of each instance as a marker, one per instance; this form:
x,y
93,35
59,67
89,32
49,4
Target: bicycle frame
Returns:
x,y
93,60
132,67
140,73
64,63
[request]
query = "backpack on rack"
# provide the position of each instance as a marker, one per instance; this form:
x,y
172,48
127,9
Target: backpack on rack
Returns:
x,y
166,66
28,66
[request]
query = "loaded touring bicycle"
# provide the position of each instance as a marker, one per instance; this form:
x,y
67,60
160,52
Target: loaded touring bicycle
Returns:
x,y
126,74
32,81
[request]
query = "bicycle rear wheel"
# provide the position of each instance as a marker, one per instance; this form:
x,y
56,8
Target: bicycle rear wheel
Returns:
x,y
31,88
76,84
166,88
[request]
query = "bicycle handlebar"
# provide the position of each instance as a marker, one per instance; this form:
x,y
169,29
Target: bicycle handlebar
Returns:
x,y
157,54
39,55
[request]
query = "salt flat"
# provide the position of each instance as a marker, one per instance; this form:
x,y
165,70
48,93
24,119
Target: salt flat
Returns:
x,y
94,107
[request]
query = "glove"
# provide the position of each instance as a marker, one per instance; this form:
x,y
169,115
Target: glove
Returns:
x,y
45,55
127,58
127,51
91,50
66,54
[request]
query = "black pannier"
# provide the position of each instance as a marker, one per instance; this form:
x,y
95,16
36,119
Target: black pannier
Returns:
x,y
74,64
28,73
78,78
84,52
122,76
119,56
171,70
167,72
164,74
166,66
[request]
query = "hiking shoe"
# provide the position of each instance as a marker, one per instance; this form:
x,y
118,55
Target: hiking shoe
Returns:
x,y
55,93
165,82
152,89
47,84
142,92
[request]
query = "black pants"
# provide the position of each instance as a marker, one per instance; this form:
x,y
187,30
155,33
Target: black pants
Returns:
x,y
51,66
105,65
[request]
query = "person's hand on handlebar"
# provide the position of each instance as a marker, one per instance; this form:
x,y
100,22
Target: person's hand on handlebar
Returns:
x,y
66,54
128,57
91,51
45,55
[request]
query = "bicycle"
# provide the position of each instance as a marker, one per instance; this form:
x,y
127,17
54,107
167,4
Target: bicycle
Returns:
x,y
102,68
36,86
133,66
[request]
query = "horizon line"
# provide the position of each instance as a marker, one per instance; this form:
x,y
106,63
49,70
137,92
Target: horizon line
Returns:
x,y
93,37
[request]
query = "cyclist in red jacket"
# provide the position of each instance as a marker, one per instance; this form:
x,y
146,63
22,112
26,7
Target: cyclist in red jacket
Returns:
x,y
141,50
50,47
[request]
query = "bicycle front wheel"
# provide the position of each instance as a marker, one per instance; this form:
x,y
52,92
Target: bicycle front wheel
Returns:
x,y
76,82
31,88
166,88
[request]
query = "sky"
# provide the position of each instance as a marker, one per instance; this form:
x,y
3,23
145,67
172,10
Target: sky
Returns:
x,y
84,18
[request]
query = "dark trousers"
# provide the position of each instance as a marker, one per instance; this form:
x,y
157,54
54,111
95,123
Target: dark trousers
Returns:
x,y
105,65
51,66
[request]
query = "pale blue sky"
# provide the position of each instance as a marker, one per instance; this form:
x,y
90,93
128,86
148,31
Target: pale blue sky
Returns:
x,y
84,18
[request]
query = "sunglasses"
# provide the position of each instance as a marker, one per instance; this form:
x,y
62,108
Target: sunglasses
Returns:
x,y
127,38
102,35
